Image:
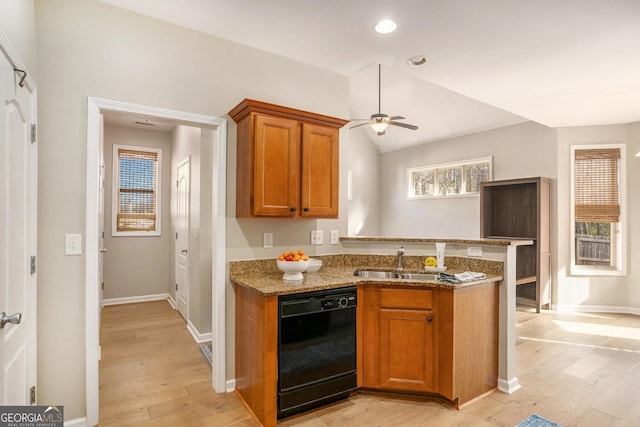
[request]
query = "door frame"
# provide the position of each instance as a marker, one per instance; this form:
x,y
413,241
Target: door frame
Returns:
x,y
217,162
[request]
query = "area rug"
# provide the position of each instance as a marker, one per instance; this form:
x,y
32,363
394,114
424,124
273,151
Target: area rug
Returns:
x,y
536,420
206,352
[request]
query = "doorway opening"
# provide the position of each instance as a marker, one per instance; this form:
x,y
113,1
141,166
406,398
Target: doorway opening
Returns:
x,y
216,163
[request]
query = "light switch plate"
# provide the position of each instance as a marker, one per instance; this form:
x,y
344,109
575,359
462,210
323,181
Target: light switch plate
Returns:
x,y
335,237
267,240
73,244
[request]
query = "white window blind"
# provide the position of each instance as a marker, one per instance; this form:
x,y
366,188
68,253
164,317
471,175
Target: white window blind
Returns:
x,y
136,190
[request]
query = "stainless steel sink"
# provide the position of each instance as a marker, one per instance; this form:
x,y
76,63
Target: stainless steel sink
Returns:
x,y
374,274
418,276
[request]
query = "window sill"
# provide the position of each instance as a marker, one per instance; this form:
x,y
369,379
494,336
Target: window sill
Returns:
x,y
577,272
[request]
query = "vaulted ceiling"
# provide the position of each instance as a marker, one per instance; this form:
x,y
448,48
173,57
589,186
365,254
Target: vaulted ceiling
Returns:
x,y
491,63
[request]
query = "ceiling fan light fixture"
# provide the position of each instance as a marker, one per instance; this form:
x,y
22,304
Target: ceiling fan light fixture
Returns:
x,y
379,127
386,26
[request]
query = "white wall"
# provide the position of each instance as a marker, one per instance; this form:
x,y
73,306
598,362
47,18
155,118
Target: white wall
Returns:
x,y
137,266
633,213
519,151
364,207
187,143
18,24
598,291
87,48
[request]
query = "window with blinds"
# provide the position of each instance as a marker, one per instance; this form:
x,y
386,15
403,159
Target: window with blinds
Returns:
x,y
136,190
596,200
596,173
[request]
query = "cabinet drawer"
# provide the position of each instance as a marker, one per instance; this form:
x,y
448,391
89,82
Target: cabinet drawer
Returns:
x,y
406,298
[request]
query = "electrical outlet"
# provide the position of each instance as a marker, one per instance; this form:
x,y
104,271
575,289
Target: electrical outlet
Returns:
x,y
335,237
267,240
316,237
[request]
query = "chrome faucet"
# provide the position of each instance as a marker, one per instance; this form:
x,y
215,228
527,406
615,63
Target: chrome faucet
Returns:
x,y
400,255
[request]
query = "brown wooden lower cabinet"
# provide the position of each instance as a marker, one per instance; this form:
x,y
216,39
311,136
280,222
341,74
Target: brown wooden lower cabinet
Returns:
x,y
467,342
257,353
441,341
399,334
410,339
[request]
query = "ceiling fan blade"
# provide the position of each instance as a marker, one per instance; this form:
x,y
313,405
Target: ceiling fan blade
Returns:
x,y
396,118
404,125
361,124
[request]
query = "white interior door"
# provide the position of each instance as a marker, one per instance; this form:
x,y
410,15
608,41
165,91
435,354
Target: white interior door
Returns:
x,y
182,239
17,228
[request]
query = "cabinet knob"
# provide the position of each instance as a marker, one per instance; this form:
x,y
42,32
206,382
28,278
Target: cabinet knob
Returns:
x,y
429,318
293,209
306,209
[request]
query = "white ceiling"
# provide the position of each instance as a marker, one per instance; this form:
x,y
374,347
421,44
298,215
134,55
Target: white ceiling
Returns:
x,y
492,63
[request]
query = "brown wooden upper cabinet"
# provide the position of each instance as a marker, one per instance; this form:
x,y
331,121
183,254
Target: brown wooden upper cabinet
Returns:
x,y
287,162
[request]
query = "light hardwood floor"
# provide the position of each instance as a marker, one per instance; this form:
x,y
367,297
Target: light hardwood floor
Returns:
x,y
575,369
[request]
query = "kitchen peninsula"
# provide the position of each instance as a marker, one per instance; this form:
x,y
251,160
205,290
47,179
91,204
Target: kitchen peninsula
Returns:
x,y
414,336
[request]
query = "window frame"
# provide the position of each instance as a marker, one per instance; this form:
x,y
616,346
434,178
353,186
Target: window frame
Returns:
x,y
618,252
115,187
444,167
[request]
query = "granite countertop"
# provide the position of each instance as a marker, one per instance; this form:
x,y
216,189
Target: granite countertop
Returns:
x,y
488,241
331,277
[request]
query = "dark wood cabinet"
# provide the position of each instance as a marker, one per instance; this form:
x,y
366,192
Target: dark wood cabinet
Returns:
x,y
519,209
287,162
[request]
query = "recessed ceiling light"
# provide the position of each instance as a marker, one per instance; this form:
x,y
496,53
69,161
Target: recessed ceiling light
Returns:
x,y
417,60
386,26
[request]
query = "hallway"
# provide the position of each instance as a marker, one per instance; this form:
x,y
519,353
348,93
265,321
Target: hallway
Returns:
x,y
152,372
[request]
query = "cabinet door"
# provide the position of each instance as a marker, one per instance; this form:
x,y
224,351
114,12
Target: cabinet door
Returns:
x,y
277,166
406,352
319,181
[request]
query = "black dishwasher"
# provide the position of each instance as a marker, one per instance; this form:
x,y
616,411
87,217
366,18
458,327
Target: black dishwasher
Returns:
x,y
316,349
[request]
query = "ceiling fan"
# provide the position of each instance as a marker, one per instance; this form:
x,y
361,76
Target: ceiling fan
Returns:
x,y
379,122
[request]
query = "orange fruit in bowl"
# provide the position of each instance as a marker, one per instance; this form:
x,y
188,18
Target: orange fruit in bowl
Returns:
x,y
298,255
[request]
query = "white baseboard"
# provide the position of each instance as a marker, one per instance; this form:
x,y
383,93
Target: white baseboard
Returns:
x,y
510,386
76,422
597,309
199,337
141,298
171,301
230,385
